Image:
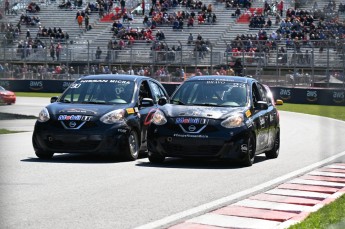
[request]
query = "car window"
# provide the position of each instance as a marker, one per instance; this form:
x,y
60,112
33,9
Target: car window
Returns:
x,y
211,92
99,91
255,94
262,92
144,91
269,95
157,91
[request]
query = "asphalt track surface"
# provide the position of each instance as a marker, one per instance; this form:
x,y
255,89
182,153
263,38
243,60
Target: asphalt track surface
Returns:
x,y
78,191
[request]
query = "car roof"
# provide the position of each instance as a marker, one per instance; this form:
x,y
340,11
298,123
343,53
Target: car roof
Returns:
x,y
237,79
114,76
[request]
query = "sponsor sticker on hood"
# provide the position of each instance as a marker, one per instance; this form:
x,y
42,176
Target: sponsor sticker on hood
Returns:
x,y
130,110
191,121
74,118
77,110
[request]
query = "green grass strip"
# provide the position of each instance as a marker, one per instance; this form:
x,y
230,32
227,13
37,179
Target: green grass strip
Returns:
x,y
5,131
330,216
336,112
37,94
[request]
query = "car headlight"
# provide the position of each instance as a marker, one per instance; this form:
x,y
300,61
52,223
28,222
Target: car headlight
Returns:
x,y
116,116
159,118
43,116
233,121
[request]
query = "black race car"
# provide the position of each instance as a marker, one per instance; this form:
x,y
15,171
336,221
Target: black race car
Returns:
x,y
216,116
103,114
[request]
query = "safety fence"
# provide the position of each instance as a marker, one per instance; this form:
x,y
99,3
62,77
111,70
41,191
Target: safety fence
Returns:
x,y
276,62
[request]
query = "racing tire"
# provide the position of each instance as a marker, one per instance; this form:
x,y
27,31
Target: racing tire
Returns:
x,y
132,147
156,158
274,152
44,154
250,155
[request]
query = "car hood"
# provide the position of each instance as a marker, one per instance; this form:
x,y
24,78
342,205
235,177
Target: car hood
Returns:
x,y
58,108
174,111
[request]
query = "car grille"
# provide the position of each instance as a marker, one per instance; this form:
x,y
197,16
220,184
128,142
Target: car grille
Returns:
x,y
177,128
191,147
82,145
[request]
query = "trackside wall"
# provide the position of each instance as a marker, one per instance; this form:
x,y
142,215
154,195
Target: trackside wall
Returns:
x,y
321,96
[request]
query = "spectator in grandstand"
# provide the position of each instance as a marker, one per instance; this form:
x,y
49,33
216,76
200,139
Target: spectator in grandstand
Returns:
x,y
280,7
33,8
190,39
222,71
282,56
7,7
58,50
80,20
230,71
87,22
201,18
98,53
307,57
146,20
52,51
199,37
190,22
238,12
160,35
78,3
123,5
65,5
238,67
268,23
198,72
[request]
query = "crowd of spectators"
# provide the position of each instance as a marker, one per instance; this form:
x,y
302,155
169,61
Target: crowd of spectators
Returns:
x,y
68,4
33,8
233,4
11,32
54,34
26,19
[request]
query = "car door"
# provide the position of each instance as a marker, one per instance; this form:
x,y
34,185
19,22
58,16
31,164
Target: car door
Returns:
x,y
149,93
272,117
261,116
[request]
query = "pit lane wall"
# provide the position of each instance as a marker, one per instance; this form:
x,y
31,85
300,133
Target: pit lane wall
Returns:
x,y
321,96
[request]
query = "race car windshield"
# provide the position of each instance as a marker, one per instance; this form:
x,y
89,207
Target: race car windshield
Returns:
x,y
211,93
99,92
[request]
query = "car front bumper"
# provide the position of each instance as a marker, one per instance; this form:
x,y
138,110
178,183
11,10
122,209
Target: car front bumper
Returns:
x,y
110,141
230,144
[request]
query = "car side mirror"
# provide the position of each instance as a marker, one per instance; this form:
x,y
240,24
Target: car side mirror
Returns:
x,y
279,102
261,105
146,102
54,99
162,101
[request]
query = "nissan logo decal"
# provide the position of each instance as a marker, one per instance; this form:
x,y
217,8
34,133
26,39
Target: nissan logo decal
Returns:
x,y
72,124
192,128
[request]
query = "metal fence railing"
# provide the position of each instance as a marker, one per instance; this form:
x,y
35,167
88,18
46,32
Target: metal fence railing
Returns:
x,y
277,62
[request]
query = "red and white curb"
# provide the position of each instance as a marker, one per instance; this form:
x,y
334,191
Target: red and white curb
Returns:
x,y
281,207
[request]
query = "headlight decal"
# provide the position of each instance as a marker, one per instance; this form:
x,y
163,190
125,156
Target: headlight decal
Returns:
x,y
43,116
236,120
159,118
116,116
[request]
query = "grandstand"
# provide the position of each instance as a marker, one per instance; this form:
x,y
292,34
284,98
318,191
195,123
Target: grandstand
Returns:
x,y
263,61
